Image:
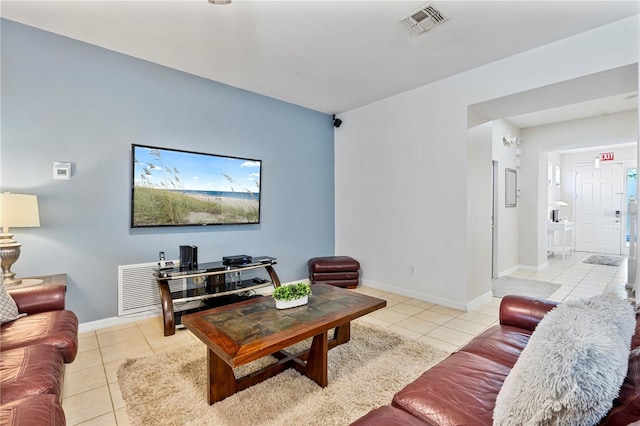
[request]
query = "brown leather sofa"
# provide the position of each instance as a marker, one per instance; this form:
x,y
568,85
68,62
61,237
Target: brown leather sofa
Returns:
x,y
33,351
462,389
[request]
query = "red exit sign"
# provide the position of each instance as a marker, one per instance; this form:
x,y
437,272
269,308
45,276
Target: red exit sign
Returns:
x,y
606,156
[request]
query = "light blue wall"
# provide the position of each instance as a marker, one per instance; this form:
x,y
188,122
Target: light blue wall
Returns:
x,y
63,100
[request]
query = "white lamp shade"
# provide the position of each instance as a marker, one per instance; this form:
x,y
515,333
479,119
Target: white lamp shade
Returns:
x,y
18,210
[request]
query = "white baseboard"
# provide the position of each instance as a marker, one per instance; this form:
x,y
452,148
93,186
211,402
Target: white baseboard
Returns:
x,y
479,301
508,271
538,268
545,265
427,298
114,321
513,269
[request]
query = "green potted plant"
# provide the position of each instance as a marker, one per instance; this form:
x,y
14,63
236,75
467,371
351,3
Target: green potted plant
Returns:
x,y
289,296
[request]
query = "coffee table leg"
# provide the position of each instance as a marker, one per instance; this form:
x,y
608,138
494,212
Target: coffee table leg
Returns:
x,y
222,381
317,369
342,333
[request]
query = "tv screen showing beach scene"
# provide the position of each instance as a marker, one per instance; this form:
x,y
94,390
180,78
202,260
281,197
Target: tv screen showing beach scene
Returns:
x,y
172,187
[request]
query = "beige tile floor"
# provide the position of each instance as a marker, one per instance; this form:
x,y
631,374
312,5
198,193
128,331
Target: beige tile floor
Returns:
x,y
91,392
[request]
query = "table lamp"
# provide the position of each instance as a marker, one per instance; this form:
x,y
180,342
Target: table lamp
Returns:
x,y
16,211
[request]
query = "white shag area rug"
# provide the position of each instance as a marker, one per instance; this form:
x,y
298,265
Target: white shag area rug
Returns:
x,y
365,373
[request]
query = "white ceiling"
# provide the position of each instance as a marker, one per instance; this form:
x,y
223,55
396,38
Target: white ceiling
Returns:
x,y
329,56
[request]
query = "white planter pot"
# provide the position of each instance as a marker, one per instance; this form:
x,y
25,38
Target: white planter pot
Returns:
x,y
285,304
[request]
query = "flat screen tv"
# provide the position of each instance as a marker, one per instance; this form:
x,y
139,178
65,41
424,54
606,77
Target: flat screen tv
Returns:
x,y
173,187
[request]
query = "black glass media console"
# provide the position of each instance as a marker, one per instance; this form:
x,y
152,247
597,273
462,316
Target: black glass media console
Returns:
x,y
212,284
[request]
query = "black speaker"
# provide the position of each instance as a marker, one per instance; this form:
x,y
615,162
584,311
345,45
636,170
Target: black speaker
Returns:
x,y
188,258
336,121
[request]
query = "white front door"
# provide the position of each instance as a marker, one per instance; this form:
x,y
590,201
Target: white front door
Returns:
x,y
598,208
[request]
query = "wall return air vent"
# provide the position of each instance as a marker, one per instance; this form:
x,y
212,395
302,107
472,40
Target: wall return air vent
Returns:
x,y
423,19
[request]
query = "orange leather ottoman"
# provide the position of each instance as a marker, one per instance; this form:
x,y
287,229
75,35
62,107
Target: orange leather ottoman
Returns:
x,y
340,271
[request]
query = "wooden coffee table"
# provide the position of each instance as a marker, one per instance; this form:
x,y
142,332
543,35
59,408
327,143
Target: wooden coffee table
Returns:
x,y
243,332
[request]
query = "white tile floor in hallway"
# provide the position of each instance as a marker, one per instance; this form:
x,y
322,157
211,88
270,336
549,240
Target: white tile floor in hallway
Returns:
x,y
579,279
91,392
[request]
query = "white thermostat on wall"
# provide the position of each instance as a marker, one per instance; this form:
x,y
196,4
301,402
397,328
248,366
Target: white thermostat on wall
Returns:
x,y
61,170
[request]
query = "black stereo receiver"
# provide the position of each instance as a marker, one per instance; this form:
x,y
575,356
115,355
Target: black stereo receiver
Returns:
x,y
239,259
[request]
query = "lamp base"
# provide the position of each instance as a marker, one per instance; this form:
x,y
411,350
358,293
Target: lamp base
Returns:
x,y
9,253
26,282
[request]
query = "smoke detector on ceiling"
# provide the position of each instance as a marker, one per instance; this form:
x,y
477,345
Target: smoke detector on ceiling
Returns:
x,y
423,19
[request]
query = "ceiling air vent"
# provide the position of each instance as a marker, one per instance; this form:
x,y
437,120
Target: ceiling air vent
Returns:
x,y
423,19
